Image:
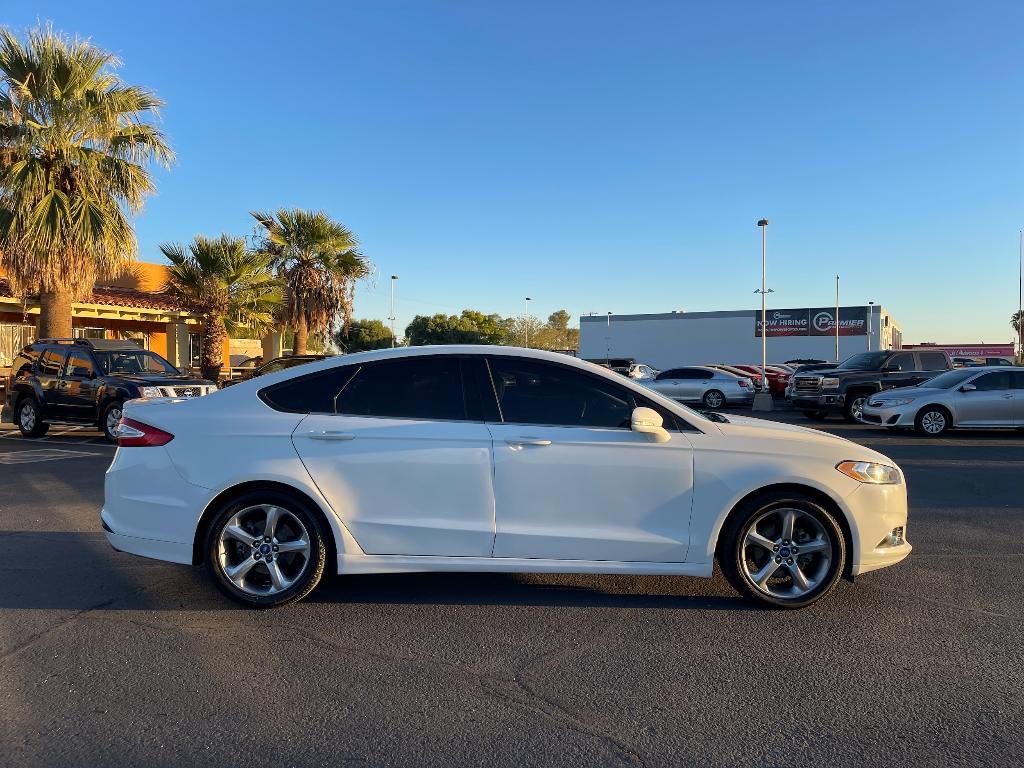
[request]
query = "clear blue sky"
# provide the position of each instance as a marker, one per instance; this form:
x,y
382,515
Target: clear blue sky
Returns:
x,y
602,156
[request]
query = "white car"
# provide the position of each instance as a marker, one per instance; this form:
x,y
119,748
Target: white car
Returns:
x,y
468,458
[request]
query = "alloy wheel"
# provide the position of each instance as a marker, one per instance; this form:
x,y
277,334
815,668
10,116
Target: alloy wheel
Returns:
x,y
113,419
263,549
786,553
713,399
27,417
933,422
857,407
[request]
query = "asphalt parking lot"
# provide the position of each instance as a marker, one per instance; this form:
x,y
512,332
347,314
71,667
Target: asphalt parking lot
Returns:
x,y
109,659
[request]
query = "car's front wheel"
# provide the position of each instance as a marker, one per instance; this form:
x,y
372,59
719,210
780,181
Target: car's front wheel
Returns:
x,y
783,550
29,417
266,549
933,420
854,408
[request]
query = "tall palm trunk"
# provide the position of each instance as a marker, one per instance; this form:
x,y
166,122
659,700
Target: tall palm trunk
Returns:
x,y
301,330
55,314
212,358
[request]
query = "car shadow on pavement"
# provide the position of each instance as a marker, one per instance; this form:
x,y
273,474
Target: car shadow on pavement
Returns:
x,y
556,590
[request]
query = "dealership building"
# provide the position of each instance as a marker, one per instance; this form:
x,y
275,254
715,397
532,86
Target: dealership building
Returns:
x,y
692,338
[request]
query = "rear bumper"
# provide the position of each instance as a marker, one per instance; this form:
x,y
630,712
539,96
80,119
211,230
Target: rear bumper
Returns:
x,y
171,551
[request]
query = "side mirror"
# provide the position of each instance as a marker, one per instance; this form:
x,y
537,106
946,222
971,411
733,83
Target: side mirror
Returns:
x,y
968,388
649,422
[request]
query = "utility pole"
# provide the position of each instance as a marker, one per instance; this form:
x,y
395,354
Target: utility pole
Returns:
x,y
391,317
837,318
1020,298
871,309
526,322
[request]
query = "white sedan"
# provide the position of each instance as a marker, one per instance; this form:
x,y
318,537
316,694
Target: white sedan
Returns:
x,y
469,458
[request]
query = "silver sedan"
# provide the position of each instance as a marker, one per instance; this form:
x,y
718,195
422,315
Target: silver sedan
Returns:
x,y
701,384
978,398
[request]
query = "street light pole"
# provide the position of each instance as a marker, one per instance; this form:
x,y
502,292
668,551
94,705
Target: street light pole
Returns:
x,y
837,318
1020,297
391,317
763,399
526,322
871,309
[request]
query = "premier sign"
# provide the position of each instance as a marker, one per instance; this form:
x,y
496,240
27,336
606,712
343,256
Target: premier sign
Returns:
x,y
816,321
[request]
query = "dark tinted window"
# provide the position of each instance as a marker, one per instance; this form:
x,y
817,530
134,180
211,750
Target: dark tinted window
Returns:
x,y
992,382
79,364
1018,379
411,388
933,361
904,362
532,392
51,362
684,373
309,394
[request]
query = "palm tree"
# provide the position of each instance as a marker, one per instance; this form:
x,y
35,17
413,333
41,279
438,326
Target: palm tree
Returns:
x,y
319,262
232,287
74,149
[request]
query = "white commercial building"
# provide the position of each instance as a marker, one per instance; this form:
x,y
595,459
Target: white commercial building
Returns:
x,y
692,338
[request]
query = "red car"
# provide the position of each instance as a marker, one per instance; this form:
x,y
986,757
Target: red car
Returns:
x,y
777,378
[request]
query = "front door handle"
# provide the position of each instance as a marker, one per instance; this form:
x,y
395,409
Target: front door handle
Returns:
x,y
519,442
325,434
1008,396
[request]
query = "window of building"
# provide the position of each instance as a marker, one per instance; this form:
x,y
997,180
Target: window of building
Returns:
x,y
89,333
14,337
139,337
195,349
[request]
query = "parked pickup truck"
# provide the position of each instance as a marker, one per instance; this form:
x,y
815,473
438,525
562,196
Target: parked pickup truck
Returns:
x,y
846,387
86,381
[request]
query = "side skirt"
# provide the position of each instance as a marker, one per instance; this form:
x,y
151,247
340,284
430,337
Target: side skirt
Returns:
x,y
360,564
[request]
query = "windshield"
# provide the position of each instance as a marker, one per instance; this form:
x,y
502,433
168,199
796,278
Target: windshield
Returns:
x,y
865,361
950,379
133,361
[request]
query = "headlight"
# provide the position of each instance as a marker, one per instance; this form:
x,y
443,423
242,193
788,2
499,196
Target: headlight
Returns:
x,y
870,472
891,403
151,392
829,382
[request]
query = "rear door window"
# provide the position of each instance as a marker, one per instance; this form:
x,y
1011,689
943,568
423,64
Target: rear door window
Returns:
x,y
424,387
316,393
933,361
51,361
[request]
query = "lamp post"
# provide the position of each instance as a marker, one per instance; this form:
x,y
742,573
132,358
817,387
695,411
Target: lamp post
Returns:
x,y
763,399
526,322
391,317
1020,298
871,309
837,318
608,341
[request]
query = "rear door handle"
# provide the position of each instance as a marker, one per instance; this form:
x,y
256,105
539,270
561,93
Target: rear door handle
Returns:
x,y
326,434
521,441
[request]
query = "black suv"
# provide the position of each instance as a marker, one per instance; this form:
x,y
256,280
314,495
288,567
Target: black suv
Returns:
x,y
846,387
86,381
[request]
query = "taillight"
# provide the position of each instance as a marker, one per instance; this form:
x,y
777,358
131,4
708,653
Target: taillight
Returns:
x,y
134,434
744,383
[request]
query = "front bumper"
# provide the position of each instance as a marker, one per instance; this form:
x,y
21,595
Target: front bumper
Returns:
x,y
877,511
825,401
889,416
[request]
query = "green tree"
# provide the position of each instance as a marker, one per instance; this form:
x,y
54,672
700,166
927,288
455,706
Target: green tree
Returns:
x,y
471,327
75,145
319,261
364,335
230,286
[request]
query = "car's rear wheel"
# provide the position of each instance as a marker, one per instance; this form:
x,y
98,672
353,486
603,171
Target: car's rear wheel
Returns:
x,y
30,418
266,549
713,399
783,550
933,420
110,419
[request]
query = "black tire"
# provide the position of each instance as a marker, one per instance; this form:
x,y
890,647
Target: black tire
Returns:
x,y
29,418
933,421
854,404
713,399
816,415
736,559
114,406
257,580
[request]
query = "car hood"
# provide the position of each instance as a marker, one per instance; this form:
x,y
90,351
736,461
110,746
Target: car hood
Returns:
x,y
161,379
773,436
915,392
